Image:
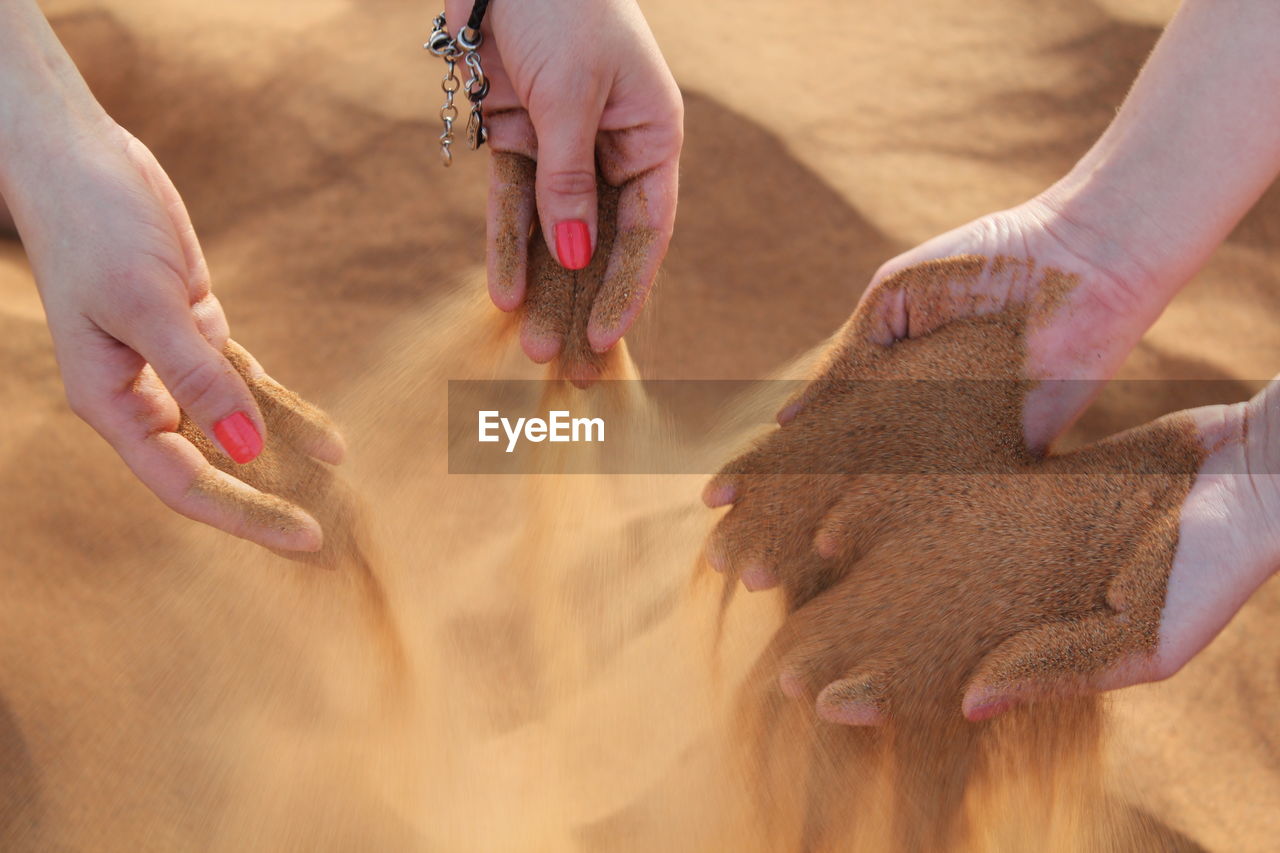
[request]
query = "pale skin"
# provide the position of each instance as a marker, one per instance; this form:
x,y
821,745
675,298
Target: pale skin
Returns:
x,y
128,295
136,328
1195,144
578,85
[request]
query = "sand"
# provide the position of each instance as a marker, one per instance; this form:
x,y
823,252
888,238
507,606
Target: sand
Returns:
x,y
560,306
161,688
937,552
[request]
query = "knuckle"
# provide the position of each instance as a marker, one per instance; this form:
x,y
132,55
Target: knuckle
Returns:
x,y
568,182
675,103
674,124
210,320
198,386
199,287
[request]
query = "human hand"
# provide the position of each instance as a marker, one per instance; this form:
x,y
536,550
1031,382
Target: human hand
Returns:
x,y
1128,226
559,302
918,331
580,88
928,555
141,340
1110,566
1047,253
1227,546
930,562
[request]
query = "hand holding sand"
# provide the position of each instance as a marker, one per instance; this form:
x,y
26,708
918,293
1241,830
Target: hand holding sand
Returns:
x,y
1194,145
946,564
580,91
882,396
560,303
1098,571
1114,297
144,348
138,334
1084,268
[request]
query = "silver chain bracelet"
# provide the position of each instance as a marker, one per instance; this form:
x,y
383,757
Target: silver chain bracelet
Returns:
x,y
466,48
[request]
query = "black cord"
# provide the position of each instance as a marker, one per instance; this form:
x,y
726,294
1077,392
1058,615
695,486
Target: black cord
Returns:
x,y
477,14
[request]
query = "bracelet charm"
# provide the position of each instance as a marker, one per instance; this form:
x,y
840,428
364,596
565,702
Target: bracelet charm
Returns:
x,y
465,48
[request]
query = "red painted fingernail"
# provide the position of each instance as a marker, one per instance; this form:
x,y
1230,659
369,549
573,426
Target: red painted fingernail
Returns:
x,y
573,244
239,437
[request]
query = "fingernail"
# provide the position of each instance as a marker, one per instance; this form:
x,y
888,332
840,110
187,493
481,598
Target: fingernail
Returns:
x,y
573,244
991,708
716,495
757,578
850,713
239,437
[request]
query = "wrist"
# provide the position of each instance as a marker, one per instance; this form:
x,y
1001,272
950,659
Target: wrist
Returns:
x,y
1111,230
46,109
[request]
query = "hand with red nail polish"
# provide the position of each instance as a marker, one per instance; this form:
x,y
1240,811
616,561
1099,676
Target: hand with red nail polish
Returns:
x,y
140,339
579,90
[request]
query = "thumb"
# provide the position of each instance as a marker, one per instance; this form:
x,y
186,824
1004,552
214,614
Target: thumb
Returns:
x,y
566,178
204,384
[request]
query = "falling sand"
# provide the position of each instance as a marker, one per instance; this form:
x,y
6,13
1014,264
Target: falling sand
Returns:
x,y
575,666
944,552
540,662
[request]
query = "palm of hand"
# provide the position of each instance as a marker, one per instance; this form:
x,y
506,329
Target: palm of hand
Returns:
x,y
1094,323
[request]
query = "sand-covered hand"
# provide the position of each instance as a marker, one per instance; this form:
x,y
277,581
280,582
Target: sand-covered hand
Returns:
x,y
578,89
561,305
934,562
